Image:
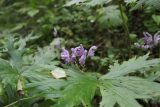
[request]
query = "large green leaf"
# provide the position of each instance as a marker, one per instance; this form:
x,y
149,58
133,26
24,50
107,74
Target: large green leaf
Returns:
x,y
131,66
125,91
117,87
80,89
118,95
148,88
35,73
49,88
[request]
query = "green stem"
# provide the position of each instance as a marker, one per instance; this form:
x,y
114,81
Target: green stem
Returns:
x,y
125,26
15,102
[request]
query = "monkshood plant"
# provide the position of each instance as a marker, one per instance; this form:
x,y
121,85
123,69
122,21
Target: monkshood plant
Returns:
x,y
19,67
74,87
39,79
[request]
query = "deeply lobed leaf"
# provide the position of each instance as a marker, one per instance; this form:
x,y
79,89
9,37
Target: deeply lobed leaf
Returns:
x,y
80,89
131,66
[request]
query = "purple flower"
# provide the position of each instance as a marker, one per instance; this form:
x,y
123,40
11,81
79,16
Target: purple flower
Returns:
x,y
149,41
156,38
147,38
92,51
82,59
65,55
73,55
79,50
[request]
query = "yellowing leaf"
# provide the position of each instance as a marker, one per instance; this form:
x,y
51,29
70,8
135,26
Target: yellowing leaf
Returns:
x,y
58,73
19,85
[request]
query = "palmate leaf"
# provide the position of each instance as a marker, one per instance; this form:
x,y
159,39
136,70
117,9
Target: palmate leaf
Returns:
x,y
110,16
49,88
125,91
45,56
44,84
7,73
35,73
39,65
15,54
80,89
147,90
117,87
118,95
131,66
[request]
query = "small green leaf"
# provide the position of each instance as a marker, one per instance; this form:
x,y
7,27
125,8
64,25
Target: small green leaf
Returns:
x,y
18,27
156,18
33,12
132,36
110,16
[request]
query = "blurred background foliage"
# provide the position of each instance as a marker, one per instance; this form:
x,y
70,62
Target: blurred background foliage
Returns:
x,y
90,23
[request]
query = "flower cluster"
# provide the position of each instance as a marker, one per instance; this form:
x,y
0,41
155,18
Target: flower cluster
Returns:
x,y
77,52
149,41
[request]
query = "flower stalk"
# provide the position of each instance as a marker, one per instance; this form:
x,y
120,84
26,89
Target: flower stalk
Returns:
x,y
125,26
